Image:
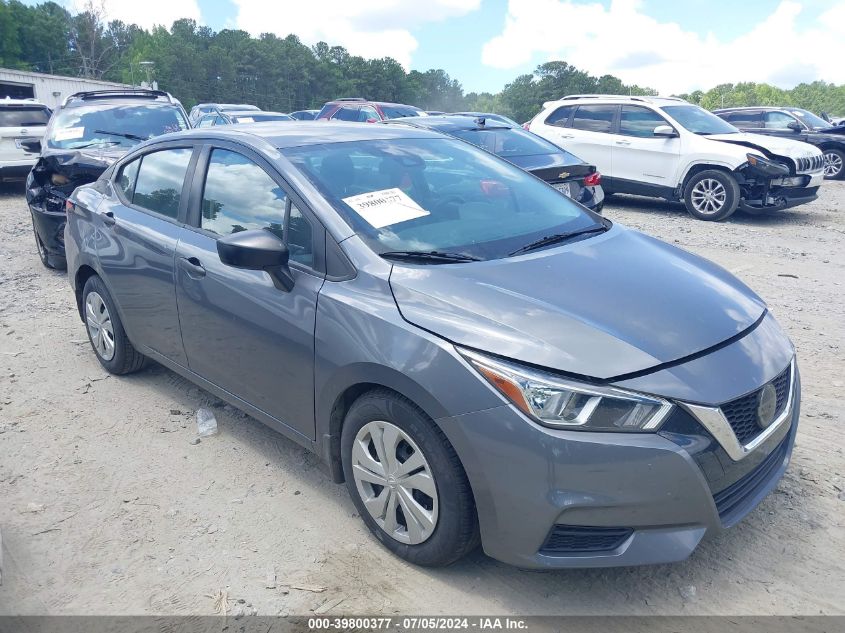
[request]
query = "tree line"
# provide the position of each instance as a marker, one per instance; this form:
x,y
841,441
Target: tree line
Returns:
x,y
198,64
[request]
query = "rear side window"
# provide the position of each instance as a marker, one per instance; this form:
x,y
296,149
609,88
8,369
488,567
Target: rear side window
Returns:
x,y
744,118
239,195
368,113
128,177
594,118
23,116
158,186
639,121
560,117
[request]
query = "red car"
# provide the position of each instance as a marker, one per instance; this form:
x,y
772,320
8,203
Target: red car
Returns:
x,y
363,111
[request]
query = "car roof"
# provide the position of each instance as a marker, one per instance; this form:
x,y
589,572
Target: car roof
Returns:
x,y
622,99
351,101
741,108
252,113
300,133
449,123
21,102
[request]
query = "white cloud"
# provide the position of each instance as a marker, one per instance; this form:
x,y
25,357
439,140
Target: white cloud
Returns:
x,y
373,28
144,13
623,41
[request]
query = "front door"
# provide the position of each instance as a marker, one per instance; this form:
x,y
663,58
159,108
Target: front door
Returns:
x,y
640,157
240,332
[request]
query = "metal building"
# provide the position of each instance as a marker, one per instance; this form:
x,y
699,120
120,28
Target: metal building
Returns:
x,y
48,89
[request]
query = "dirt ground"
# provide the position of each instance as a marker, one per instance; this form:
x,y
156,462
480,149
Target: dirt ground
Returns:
x,y
107,508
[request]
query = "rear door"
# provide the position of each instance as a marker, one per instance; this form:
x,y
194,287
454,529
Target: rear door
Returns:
x,y
138,227
589,135
241,332
745,120
641,158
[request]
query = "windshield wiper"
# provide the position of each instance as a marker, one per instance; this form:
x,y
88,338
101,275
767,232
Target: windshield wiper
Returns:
x,y
432,256
95,143
556,238
131,137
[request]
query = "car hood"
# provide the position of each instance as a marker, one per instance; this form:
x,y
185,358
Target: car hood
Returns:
x,y
770,146
604,307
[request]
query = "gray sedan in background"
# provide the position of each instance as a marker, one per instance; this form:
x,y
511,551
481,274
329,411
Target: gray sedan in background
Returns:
x,y
479,358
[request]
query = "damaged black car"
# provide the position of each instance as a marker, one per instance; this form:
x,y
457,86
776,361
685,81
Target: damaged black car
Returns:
x,y
87,134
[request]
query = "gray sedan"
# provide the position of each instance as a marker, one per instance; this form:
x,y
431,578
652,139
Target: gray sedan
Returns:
x,y
479,358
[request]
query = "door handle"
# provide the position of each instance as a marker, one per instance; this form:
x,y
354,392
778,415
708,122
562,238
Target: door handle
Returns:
x,y
192,266
567,136
623,142
108,218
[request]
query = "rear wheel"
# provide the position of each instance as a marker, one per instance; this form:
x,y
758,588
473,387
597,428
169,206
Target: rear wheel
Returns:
x,y
834,164
407,481
711,195
105,330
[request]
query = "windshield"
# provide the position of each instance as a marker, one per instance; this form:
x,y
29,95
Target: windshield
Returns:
x,y
399,112
437,194
22,116
809,119
508,142
698,120
113,125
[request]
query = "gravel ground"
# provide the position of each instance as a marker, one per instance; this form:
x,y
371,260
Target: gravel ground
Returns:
x,y
106,507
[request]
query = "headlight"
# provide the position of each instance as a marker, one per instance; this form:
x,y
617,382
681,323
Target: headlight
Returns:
x,y
567,404
766,166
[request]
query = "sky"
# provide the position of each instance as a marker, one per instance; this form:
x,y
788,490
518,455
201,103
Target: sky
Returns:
x,y
674,46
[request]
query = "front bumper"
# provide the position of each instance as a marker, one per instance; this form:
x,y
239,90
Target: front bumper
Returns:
x,y
661,491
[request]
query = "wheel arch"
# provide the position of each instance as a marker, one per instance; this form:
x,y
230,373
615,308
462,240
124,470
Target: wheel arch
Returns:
x,y
83,274
342,394
697,168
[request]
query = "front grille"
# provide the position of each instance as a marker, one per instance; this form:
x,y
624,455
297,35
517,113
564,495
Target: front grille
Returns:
x,y
741,413
577,539
732,502
813,163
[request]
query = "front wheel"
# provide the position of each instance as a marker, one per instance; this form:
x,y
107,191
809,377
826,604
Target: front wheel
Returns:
x,y
711,195
834,164
105,330
407,481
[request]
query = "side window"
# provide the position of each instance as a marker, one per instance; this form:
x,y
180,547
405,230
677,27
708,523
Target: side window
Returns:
x,y
299,237
366,113
125,181
239,195
206,121
744,118
346,114
560,117
594,118
778,120
159,183
639,121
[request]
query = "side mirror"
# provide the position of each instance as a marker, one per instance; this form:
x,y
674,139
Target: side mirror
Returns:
x,y
666,131
795,126
258,249
31,145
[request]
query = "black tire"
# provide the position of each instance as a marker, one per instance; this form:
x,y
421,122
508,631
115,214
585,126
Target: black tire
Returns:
x,y
835,154
50,261
455,533
126,358
696,205
599,207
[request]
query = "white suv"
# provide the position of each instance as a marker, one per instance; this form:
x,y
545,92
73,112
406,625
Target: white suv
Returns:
x,y
21,120
668,148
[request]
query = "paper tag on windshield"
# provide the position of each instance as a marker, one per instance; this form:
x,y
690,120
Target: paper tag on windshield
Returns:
x,y
385,207
69,133
246,119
